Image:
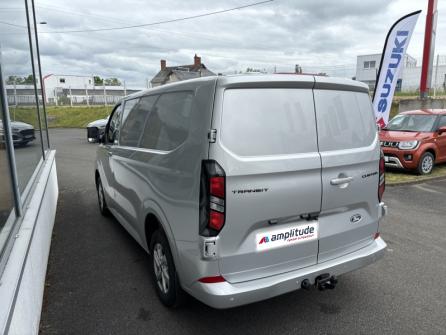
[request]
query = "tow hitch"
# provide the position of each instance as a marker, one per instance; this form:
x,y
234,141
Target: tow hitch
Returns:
x,y
325,281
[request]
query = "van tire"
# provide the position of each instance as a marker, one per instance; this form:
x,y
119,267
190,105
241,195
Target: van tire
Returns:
x,y
103,208
164,275
426,164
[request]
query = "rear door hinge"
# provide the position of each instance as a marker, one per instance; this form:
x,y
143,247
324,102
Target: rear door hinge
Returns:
x,y
212,135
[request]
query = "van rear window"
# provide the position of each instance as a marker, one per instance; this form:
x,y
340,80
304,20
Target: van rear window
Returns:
x,y
264,122
344,119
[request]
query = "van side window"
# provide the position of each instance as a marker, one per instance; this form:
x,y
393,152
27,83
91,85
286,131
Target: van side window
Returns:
x,y
269,121
113,128
345,119
167,125
134,117
128,106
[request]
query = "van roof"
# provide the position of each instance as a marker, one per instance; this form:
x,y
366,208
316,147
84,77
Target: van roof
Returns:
x,y
287,80
267,80
170,86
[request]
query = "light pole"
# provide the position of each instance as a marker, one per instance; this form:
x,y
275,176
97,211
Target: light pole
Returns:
x,y
429,48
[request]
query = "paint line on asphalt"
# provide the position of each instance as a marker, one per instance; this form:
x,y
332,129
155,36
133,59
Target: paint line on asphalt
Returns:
x,y
426,189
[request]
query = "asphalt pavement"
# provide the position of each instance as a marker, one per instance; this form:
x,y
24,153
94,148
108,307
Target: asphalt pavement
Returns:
x,y
98,279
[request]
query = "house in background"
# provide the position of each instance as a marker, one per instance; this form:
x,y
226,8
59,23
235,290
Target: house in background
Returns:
x,y
170,74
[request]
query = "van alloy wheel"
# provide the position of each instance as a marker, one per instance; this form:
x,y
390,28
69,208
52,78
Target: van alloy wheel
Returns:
x,y
165,279
161,268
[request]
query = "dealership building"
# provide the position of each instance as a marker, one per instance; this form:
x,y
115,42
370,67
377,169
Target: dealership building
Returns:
x,y
28,184
367,67
60,89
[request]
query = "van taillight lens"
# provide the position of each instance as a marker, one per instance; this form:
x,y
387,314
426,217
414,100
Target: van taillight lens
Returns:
x,y
212,198
382,177
216,220
217,187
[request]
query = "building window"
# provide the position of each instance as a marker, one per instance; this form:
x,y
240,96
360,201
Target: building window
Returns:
x,y
399,85
370,64
62,80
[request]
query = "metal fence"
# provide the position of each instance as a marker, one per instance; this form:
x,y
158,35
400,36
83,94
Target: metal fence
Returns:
x,y
100,95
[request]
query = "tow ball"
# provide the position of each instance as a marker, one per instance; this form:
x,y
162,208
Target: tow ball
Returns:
x,y
322,282
325,281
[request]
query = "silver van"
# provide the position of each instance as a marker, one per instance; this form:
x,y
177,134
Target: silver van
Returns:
x,y
243,188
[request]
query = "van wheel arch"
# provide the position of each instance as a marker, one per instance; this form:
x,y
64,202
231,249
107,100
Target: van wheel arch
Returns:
x,y
151,225
96,177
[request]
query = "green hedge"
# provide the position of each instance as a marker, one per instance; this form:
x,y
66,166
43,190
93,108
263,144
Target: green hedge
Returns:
x,y
62,117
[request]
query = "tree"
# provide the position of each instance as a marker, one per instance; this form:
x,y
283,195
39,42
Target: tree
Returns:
x,y
29,80
112,82
20,80
13,80
98,80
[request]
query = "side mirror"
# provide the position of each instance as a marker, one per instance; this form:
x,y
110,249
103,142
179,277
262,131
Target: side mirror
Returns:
x,y
102,138
442,130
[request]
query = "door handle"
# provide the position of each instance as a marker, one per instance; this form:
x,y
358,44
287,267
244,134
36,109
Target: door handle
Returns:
x,y
110,153
340,181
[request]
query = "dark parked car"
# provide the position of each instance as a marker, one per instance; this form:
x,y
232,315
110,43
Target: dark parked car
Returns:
x,y
95,129
22,133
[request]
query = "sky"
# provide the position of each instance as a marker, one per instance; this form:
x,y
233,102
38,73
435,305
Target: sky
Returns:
x,y
319,35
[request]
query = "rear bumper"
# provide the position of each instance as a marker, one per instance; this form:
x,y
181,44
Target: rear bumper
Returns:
x,y
227,295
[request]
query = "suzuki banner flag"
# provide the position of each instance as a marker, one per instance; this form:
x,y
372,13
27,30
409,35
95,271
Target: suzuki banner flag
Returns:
x,y
392,60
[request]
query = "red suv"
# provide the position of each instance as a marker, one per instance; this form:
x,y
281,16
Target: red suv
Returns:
x,y
415,140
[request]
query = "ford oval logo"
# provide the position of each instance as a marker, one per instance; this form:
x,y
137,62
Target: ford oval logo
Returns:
x,y
355,218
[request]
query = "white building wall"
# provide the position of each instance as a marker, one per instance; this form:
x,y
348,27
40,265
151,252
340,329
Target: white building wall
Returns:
x,y
56,82
368,74
411,78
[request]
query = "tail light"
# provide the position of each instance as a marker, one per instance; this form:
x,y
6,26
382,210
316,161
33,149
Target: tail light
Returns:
x,y
382,177
212,198
212,280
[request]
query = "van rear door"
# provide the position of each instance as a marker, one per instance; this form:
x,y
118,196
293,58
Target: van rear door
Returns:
x,y
349,149
267,145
